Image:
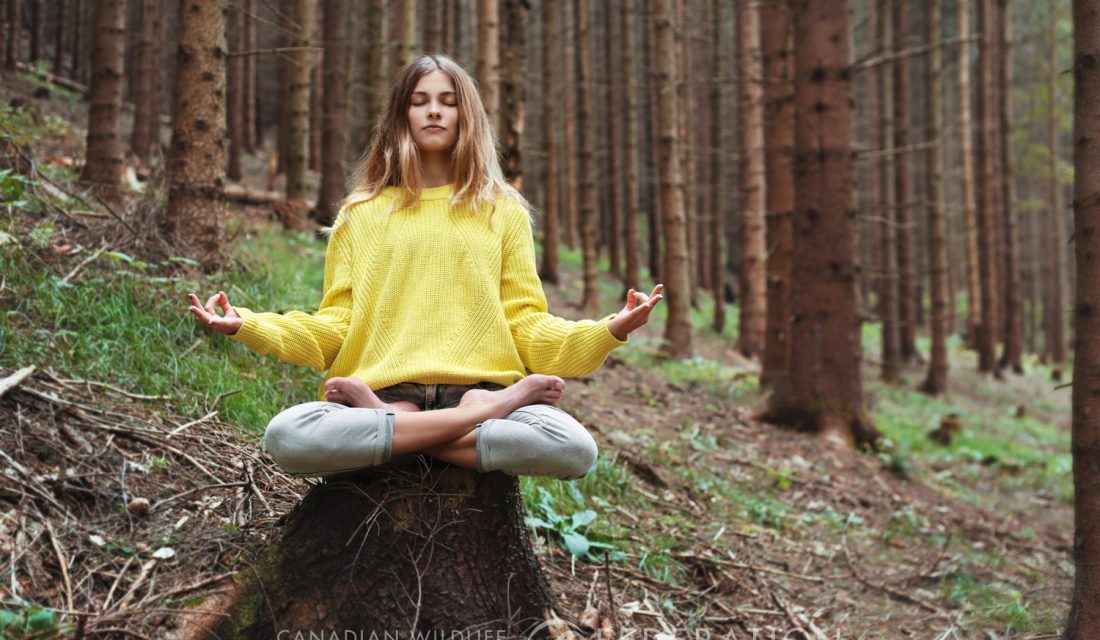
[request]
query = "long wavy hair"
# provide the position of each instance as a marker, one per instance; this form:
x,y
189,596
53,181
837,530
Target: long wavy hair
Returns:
x,y
393,160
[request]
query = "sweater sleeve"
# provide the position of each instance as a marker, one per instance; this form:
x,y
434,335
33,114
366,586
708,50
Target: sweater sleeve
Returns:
x,y
546,343
311,340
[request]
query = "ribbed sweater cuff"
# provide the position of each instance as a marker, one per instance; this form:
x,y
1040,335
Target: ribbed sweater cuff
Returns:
x,y
249,334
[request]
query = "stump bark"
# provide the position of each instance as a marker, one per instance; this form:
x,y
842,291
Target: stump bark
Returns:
x,y
422,550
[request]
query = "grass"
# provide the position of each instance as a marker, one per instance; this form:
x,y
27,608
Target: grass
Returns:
x,y
126,323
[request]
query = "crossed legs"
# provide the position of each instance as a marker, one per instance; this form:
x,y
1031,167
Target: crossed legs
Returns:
x,y
447,434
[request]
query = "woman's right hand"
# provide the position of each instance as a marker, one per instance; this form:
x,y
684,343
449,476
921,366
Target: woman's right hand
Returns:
x,y
227,324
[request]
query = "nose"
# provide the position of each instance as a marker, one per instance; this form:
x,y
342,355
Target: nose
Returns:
x,y
434,110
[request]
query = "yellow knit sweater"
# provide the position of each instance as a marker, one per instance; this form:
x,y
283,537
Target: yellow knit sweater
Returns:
x,y
432,294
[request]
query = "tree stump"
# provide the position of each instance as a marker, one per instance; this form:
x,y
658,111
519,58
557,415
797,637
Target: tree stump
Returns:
x,y
426,550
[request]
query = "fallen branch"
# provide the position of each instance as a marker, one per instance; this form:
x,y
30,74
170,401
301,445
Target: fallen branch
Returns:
x,y
15,379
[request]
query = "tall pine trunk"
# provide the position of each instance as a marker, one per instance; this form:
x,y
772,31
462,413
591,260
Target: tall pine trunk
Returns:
x,y
59,37
969,203
15,29
903,198
1056,260
103,158
250,124
588,126
676,269
1013,308
825,332
569,94
753,189
1084,616
404,45
986,151
196,165
145,138
511,92
488,58
235,96
551,210
334,128
888,286
298,102
631,159
936,381
777,39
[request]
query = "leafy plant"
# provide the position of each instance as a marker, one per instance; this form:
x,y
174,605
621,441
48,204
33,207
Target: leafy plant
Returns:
x,y
570,530
31,621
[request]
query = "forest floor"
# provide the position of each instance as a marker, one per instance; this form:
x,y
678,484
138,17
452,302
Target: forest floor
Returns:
x,y
717,525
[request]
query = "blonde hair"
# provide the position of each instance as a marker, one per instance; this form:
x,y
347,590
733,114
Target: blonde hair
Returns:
x,y
393,160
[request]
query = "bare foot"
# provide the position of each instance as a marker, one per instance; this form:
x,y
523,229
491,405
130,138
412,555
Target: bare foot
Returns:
x,y
353,392
534,389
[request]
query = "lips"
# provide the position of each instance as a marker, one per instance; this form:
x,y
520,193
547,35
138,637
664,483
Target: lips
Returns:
x,y
434,128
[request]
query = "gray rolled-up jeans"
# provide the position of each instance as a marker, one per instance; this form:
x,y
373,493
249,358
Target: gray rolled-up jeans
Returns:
x,y
325,438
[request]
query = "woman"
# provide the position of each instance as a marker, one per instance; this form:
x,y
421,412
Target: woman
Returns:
x,y
431,300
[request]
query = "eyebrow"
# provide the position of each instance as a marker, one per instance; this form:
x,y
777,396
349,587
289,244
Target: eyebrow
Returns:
x,y
424,93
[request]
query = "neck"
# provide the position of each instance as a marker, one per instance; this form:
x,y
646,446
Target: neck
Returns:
x,y
435,170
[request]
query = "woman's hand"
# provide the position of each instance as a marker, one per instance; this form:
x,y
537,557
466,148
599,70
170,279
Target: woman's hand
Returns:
x,y
227,324
635,313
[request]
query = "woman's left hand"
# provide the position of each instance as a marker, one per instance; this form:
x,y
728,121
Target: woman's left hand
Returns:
x,y
635,313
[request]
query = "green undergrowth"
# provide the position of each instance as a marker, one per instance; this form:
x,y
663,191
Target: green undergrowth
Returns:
x,y
125,322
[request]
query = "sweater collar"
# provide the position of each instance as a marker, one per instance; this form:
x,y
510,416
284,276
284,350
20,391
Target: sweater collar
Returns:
x,y
437,193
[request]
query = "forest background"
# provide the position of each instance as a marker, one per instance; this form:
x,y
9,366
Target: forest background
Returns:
x,y
862,211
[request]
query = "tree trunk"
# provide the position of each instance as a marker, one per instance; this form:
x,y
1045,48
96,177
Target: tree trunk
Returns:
x,y
825,332
377,69
76,53
985,151
334,138
676,269
687,185
235,96
59,38
405,45
966,148
614,119
650,182
570,93
488,58
196,166
777,38
316,108
445,549
586,167
888,287
753,246
721,58
250,124
936,382
1084,615
298,102
1013,308
103,165
145,140
36,24
15,29
1056,332
511,94
907,297
551,211
630,154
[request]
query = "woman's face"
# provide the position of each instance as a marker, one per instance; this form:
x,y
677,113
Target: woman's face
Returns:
x,y
433,113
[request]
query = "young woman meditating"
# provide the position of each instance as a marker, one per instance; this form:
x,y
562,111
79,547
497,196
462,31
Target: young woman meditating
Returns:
x,y
432,309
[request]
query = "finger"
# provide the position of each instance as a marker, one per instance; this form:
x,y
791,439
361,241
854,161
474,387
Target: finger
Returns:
x,y
210,303
631,299
224,301
657,289
654,300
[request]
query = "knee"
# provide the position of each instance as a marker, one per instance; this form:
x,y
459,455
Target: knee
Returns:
x,y
579,453
575,449
283,436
